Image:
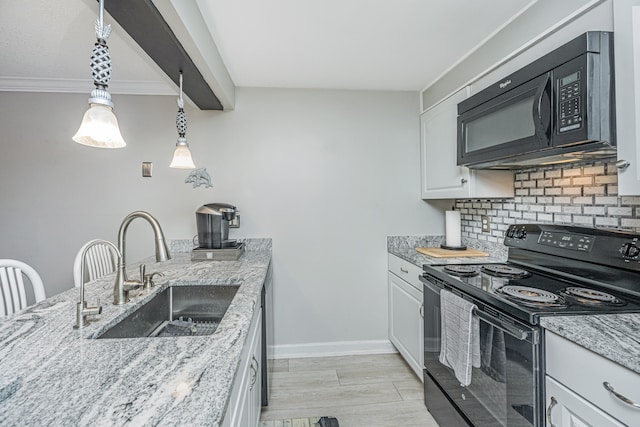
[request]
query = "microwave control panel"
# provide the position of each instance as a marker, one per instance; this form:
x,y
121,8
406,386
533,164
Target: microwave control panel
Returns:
x,y
569,110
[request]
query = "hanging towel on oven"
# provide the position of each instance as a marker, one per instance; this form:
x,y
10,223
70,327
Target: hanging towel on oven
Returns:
x,y
460,341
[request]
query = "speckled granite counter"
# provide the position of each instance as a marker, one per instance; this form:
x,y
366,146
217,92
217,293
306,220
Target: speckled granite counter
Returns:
x,y
614,336
51,374
404,247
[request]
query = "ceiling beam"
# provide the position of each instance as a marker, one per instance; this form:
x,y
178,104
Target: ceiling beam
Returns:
x,y
144,23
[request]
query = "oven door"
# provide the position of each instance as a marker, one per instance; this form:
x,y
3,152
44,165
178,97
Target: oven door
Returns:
x,y
504,390
515,122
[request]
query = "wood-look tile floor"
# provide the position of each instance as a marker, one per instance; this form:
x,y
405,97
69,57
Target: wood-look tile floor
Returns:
x,y
371,390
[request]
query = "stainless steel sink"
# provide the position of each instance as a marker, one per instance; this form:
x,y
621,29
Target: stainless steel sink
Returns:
x,y
177,311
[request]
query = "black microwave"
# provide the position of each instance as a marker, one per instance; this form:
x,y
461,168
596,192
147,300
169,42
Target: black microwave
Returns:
x,y
558,109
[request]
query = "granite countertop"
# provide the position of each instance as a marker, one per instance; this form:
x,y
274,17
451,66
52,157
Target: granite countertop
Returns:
x,y
404,247
614,336
52,374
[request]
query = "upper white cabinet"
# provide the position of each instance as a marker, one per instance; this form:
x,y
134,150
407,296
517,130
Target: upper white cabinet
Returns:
x,y
626,21
441,177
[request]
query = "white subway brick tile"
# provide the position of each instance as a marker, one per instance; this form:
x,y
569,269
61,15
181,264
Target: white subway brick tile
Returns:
x,y
583,220
594,170
522,176
584,180
606,179
536,191
545,200
572,191
529,215
630,200
552,208
557,173
572,209
536,175
630,222
594,210
594,190
619,211
553,191
513,214
537,208
607,221
612,190
528,184
572,172
565,219
509,206
561,200
545,217
545,183
602,200
587,200
562,182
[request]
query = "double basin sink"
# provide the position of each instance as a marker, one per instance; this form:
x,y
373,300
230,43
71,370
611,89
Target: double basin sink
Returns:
x,y
177,311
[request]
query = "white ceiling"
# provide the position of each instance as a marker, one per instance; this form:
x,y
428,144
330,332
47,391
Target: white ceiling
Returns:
x,y
336,44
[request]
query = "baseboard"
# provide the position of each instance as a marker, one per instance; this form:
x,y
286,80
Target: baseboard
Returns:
x,y
339,348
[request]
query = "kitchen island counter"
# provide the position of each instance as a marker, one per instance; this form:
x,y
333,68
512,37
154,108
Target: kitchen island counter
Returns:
x,y
614,336
52,374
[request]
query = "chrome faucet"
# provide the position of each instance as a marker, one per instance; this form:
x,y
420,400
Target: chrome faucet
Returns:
x,y
82,310
123,285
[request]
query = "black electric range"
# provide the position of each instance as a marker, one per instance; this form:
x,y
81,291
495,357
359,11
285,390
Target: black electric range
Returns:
x,y
551,270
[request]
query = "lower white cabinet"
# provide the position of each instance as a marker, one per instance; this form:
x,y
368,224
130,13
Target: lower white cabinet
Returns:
x,y
245,401
405,312
576,387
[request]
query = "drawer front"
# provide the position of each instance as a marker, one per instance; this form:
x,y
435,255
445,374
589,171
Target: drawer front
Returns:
x,y
406,271
567,409
584,372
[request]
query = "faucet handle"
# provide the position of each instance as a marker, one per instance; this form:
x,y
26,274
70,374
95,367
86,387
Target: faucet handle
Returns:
x,y
143,268
148,280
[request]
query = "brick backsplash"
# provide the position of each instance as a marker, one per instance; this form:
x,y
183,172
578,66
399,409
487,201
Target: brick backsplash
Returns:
x,y
584,194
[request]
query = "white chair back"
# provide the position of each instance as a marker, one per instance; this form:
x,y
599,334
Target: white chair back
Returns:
x,y
13,296
100,260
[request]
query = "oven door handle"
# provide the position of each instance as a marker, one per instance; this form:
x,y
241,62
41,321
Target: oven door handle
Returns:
x,y
512,330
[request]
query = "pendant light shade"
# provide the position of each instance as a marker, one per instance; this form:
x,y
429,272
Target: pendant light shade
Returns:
x,y
99,127
182,155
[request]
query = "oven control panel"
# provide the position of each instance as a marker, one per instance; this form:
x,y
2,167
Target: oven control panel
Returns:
x,y
575,242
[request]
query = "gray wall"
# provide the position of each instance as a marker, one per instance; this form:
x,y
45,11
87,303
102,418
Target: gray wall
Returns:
x,y
327,174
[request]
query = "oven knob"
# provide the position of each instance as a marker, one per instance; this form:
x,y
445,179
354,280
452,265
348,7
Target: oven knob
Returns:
x,y
629,251
511,232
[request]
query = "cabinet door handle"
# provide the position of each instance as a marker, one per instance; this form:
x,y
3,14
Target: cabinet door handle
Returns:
x,y
422,311
625,399
254,371
622,164
403,270
553,403
463,181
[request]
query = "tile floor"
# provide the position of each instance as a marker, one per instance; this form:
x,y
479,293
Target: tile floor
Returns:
x,y
371,390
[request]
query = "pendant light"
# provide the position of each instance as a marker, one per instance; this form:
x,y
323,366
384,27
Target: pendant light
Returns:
x,y
99,127
182,154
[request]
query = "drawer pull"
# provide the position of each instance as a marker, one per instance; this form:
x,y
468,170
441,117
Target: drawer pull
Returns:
x,y
619,396
422,311
403,270
553,403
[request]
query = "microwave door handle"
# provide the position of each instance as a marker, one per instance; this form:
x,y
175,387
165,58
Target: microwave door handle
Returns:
x,y
542,109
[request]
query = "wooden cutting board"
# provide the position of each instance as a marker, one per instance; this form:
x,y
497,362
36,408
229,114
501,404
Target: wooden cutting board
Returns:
x,y
447,253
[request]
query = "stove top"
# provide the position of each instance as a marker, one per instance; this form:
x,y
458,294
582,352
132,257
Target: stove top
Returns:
x,y
529,294
554,270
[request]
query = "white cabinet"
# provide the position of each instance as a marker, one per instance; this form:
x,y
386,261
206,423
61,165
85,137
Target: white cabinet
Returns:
x,y
576,393
245,401
441,177
626,21
405,312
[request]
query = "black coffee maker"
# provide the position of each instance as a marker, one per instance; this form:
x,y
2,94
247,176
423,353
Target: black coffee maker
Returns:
x,y
212,221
